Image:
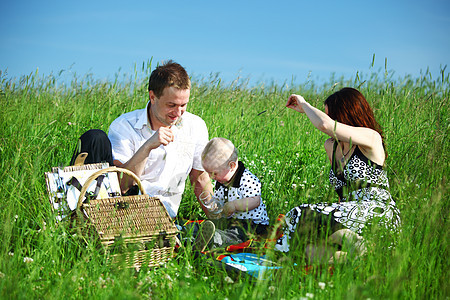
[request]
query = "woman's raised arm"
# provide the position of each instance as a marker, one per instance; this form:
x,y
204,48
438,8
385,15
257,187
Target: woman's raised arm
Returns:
x,y
362,136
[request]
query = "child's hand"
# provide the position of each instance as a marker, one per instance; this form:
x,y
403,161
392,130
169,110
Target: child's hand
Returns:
x,y
229,209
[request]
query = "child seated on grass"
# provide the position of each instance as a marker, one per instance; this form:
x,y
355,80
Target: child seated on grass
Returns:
x,y
238,191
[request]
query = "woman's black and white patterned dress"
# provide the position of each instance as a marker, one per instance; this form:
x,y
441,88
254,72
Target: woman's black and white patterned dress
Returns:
x,y
363,189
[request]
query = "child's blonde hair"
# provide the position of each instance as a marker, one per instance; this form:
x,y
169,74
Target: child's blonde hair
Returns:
x,y
218,153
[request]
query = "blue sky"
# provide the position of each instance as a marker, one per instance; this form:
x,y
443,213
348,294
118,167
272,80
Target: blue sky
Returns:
x,y
263,40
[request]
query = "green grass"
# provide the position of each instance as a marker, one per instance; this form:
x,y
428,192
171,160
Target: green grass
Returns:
x,y
41,121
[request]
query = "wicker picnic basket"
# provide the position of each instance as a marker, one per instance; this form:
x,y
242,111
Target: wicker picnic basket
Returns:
x,y
135,229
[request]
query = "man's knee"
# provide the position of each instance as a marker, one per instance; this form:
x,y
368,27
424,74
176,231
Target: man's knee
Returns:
x,y
96,144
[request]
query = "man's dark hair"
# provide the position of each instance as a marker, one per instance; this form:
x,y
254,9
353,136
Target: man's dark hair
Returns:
x,y
167,75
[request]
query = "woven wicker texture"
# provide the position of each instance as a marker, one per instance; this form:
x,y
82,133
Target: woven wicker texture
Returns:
x,y
135,230
151,258
129,217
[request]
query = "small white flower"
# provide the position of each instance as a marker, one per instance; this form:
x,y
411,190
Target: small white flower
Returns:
x,y
101,281
28,260
204,278
11,253
59,274
322,285
167,276
294,186
309,295
187,275
228,280
271,289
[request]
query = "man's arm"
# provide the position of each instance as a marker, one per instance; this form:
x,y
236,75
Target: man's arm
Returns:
x,y
201,182
136,164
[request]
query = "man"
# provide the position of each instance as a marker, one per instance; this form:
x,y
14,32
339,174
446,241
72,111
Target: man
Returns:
x,y
162,144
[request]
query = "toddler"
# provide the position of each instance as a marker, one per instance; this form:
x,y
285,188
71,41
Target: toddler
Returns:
x,y
238,191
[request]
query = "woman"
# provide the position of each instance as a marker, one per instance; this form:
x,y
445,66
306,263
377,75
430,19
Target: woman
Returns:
x,y
357,154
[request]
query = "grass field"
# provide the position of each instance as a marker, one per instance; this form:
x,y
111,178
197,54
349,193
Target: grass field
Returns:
x,y
41,121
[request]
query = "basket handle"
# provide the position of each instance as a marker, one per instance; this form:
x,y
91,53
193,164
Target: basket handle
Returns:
x,y
104,171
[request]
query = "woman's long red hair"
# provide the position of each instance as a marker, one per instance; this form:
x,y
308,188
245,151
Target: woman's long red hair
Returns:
x,y
349,106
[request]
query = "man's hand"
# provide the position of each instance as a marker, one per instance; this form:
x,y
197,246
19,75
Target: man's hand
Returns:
x,y
136,164
162,136
202,183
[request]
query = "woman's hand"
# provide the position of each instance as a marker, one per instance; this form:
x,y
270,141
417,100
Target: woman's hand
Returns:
x,y
295,102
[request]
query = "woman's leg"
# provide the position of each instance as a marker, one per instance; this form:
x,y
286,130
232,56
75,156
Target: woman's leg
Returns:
x,y
306,233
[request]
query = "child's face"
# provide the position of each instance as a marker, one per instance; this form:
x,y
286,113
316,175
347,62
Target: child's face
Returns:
x,y
223,174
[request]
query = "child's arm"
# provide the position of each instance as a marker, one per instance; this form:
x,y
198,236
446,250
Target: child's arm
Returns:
x,y
241,205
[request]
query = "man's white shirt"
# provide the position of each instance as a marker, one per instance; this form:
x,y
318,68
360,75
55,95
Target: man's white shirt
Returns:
x,y
167,167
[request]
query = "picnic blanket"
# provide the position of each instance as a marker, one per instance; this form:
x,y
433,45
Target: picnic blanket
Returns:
x,y
247,258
